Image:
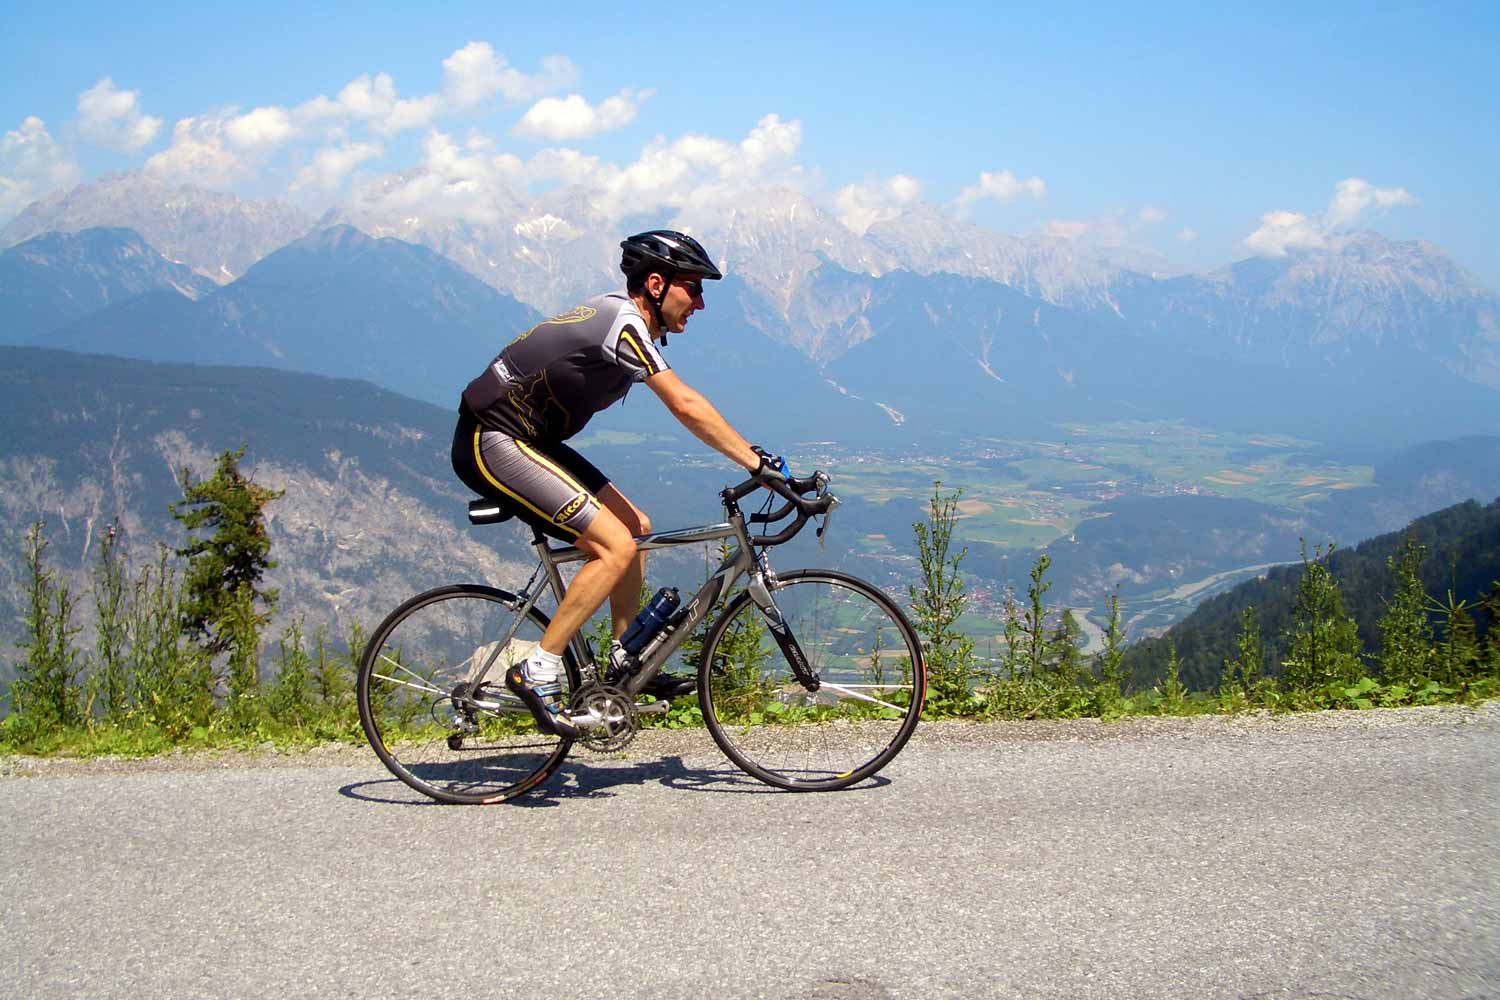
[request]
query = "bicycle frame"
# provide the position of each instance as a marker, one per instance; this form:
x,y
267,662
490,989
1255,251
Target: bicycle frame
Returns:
x,y
741,561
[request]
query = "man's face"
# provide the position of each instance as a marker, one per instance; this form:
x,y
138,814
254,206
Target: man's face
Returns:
x,y
684,297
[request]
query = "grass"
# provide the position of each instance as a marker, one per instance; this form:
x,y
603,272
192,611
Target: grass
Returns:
x,y
992,699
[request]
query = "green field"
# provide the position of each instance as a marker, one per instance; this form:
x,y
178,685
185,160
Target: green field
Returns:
x,y
1025,494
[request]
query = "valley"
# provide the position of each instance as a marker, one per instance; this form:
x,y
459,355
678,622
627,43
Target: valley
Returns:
x,y
1163,513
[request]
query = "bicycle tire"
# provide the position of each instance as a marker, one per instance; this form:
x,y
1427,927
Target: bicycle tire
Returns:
x,y
416,726
775,729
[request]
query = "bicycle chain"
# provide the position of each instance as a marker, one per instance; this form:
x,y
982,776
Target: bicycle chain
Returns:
x,y
615,707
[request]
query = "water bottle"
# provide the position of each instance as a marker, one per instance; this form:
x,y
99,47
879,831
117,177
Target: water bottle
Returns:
x,y
649,622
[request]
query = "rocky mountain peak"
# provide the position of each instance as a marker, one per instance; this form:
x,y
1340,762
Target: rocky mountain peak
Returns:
x,y
1360,271
217,234
50,280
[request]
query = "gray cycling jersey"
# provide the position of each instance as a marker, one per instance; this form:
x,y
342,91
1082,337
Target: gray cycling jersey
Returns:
x,y
549,381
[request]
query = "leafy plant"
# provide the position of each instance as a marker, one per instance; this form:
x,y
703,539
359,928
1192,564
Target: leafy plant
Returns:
x,y
938,601
226,562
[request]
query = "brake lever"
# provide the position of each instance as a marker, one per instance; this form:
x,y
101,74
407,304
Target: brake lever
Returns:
x,y
833,505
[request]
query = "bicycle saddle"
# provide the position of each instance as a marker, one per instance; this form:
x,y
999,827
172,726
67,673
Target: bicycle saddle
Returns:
x,y
487,512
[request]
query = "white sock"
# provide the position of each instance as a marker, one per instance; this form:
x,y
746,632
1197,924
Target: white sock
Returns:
x,y
543,667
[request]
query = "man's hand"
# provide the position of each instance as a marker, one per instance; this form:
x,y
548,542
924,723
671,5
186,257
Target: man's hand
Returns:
x,y
771,466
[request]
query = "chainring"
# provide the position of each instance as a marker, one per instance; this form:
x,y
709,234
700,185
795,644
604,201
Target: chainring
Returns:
x,y
616,707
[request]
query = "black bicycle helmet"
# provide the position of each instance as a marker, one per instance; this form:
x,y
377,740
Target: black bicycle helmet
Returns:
x,y
668,253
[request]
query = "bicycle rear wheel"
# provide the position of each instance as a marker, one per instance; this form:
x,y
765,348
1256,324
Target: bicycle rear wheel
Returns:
x,y
433,701
871,681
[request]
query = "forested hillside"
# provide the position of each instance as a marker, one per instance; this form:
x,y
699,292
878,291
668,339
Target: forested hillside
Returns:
x,y
1460,562
371,512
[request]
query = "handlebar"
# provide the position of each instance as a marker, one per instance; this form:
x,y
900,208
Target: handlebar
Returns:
x,y
793,491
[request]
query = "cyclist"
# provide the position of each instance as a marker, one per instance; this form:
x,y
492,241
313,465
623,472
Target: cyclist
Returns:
x,y
542,389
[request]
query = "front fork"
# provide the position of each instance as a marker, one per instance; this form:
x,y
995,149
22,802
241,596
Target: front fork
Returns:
x,y
762,582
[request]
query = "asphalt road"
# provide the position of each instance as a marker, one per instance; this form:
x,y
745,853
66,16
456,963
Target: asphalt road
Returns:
x,y
1356,856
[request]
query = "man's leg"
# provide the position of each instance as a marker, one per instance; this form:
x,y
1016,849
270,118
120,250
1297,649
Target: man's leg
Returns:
x,y
611,553
612,556
625,598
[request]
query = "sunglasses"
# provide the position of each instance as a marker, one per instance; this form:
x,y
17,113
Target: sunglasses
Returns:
x,y
693,288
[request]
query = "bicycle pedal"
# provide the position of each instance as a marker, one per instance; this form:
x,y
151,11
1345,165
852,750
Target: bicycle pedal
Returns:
x,y
654,708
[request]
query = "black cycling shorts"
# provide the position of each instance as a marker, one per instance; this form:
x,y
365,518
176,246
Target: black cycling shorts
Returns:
x,y
551,487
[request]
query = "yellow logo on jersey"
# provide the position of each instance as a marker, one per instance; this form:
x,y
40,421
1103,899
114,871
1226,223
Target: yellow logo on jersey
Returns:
x,y
570,508
575,315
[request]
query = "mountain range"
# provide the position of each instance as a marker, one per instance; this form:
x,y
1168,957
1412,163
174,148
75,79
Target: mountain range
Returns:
x,y
59,277
1313,309
874,337
213,232
915,336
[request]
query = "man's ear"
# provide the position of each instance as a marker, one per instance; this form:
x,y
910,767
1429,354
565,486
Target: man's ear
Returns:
x,y
655,284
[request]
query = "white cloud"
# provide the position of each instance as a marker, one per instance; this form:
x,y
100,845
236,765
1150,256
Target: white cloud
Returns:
x,y
199,154
31,164
368,97
475,73
263,127
1112,229
1002,187
695,177
860,206
566,165
471,76
1352,199
1187,235
771,141
112,118
703,177
409,113
333,163
563,118
453,181
1282,231
373,101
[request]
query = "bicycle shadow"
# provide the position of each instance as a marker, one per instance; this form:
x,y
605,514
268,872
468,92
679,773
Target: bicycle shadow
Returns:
x,y
580,780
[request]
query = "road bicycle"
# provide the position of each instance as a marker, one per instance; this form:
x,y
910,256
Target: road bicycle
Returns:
x,y
809,680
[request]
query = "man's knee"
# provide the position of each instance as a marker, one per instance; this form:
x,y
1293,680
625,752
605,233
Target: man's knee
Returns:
x,y
609,541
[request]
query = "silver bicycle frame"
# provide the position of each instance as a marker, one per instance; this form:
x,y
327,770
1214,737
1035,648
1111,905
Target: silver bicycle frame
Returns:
x,y
741,561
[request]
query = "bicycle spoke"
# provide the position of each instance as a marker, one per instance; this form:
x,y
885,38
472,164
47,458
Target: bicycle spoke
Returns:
x,y
476,750
423,685
868,662
842,689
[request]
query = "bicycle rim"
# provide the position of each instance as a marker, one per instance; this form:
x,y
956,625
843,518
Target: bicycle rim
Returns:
x,y
871,683
469,745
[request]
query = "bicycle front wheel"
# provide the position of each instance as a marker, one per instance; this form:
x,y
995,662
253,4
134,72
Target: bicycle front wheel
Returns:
x,y
831,730
433,701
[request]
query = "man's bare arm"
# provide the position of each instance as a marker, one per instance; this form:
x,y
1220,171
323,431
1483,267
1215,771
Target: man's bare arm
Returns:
x,y
698,415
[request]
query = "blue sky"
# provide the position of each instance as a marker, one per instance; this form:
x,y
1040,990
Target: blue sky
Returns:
x,y
1167,127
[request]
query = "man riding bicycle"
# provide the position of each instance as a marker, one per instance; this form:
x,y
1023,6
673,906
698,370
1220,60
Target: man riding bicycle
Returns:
x,y
541,390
